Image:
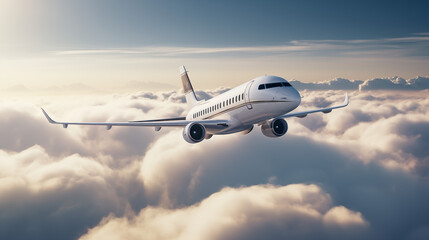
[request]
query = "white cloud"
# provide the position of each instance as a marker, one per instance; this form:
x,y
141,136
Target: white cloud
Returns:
x,y
394,83
70,179
341,47
377,127
47,197
341,216
263,211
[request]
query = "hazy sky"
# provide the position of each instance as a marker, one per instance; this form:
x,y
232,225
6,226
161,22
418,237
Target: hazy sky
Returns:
x,y
115,43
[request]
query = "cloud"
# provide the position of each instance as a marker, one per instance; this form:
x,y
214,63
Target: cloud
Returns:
x,y
21,130
394,83
48,197
263,211
389,129
336,84
399,47
361,170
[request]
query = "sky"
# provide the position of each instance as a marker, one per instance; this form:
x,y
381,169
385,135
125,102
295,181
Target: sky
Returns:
x,y
360,172
111,44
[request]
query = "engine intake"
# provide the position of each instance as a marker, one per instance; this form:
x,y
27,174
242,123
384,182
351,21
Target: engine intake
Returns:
x,y
274,128
194,133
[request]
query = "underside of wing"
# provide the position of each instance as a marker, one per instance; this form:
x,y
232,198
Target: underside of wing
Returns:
x,y
324,110
163,119
157,123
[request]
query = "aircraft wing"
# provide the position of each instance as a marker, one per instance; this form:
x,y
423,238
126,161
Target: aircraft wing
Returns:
x,y
324,110
157,123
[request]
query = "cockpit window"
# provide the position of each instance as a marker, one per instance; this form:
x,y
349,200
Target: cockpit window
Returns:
x,y
273,85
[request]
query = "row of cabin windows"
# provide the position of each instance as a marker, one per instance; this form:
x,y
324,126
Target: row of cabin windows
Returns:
x,y
219,105
273,85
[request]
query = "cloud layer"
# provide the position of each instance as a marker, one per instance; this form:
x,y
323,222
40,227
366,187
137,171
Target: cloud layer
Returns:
x,y
260,211
356,172
394,83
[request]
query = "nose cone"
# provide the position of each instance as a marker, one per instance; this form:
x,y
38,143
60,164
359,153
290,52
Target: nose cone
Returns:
x,y
290,95
294,97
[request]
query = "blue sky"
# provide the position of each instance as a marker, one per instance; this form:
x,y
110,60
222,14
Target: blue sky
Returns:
x,y
64,42
215,23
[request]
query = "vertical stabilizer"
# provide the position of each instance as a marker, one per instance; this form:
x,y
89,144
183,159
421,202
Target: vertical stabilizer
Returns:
x,y
191,99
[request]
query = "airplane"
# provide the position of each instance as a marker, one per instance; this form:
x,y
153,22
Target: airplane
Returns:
x,y
264,101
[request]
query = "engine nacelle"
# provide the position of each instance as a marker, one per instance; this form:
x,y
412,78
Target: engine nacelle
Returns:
x,y
194,133
274,128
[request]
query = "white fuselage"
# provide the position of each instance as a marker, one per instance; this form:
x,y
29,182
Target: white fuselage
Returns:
x,y
253,102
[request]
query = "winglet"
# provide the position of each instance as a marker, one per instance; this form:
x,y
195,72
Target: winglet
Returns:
x,y
346,100
47,116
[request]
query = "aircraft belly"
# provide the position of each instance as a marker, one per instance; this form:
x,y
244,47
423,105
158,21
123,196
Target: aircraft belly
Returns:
x,y
243,118
262,111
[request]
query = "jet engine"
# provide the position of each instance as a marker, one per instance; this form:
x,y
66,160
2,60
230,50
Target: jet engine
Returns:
x,y
194,133
274,128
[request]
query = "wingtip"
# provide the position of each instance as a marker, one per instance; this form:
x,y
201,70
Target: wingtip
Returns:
x,y
346,100
47,116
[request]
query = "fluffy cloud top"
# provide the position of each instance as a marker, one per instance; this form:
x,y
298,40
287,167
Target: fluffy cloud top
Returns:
x,y
261,211
395,83
357,172
335,84
391,130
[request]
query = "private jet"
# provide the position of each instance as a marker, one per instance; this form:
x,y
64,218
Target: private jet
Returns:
x,y
265,101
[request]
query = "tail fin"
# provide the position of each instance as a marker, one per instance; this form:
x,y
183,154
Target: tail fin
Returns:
x,y
191,99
